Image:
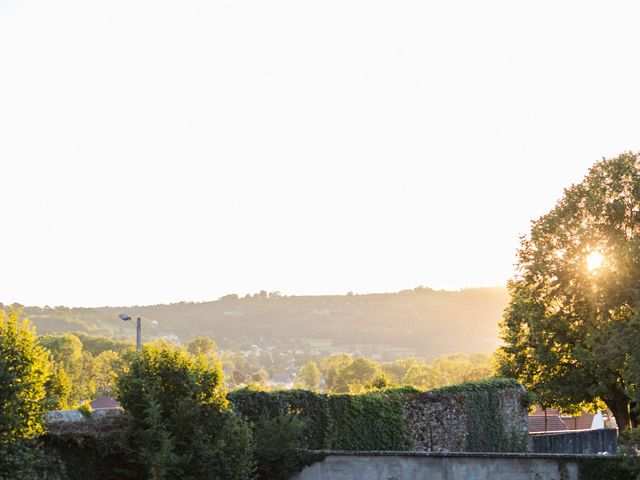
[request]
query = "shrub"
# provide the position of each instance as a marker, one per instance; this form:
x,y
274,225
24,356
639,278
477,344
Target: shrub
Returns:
x,y
24,370
622,467
278,441
177,422
85,409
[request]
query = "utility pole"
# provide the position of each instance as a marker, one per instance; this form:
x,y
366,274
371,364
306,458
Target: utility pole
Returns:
x,y
126,317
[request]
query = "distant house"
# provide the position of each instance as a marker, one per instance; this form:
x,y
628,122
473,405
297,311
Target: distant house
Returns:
x,y
545,421
104,402
553,420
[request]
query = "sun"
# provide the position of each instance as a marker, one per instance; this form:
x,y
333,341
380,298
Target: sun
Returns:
x,y
594,261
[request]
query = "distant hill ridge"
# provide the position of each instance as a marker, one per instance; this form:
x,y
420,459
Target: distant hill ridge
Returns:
x,y
429,322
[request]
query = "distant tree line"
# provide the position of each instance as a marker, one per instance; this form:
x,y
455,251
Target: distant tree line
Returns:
x,y
344,373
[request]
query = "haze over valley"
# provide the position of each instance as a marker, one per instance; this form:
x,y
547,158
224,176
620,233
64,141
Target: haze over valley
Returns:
x,y
421,322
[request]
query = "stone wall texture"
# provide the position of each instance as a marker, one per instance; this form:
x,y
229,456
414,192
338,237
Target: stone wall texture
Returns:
x,y
450,421
100,421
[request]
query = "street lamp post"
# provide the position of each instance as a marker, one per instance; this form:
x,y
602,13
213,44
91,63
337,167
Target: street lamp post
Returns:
x,y
126,317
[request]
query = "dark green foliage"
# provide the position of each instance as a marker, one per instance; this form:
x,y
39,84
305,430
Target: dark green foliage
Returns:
x,y
310,406
85,457
19,461
376,421
177,423
486,427
371,421
285,421
278,444
618,468
491,384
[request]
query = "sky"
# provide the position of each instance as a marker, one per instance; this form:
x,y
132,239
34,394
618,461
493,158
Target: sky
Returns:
x,y
155,152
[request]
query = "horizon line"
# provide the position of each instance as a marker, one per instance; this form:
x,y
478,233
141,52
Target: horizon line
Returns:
x,y
252,295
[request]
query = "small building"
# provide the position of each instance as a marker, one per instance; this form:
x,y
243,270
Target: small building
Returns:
x,y
553,420
545,421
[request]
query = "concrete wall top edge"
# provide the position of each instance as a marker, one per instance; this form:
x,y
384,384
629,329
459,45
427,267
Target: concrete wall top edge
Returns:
x,y
457,454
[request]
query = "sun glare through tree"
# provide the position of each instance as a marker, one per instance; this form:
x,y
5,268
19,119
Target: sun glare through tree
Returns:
x,y
594,261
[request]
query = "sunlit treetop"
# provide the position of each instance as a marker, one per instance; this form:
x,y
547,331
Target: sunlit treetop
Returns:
x,y
571,330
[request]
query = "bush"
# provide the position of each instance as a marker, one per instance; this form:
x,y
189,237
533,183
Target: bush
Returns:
x,y
278,441
621,467
177,422
85,409
24,370
89,455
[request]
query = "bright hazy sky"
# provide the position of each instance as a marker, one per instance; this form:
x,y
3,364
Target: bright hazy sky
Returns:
x,y
181,150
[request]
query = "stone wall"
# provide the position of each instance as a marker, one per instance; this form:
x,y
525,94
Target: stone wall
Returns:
x,y
437,423
467,420
99,421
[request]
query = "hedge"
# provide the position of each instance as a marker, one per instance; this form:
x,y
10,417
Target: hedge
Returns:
x,y
376,421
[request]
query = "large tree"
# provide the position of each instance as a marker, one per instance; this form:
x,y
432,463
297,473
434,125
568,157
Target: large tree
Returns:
x,y
572,328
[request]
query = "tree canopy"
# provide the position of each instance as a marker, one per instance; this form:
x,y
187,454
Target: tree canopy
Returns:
x,y
178,423
24,371
572,328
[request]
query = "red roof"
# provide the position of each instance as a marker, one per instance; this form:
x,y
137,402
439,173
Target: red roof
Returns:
x,y
554,423
104,402
581,422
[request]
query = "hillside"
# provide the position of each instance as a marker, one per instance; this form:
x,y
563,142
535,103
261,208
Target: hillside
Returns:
x,y
421,322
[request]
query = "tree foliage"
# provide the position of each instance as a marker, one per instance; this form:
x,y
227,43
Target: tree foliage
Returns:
x,y
343,373
309,376
178,422
24,371
572,329
360,375
80,374
202,346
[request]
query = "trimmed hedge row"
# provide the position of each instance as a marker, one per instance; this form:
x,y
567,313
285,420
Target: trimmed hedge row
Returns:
x,y
376,421
371,421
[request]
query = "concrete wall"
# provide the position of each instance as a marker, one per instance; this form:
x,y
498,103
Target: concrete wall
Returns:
x,y
102,420
576,442
435,466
